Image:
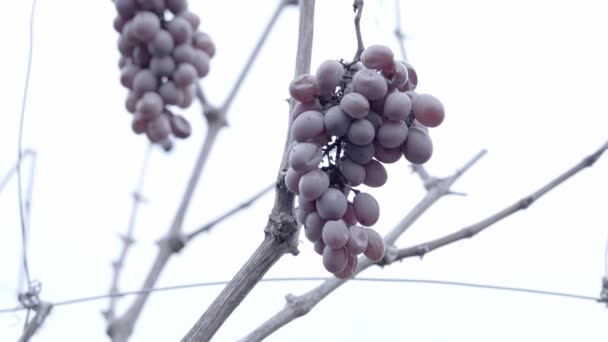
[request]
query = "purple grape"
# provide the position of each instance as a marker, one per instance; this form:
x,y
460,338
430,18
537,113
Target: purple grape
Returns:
x,y
186,97
392,134
336,122
183,53
366,209
307,125
412,78
162,66
335,234
203,42
313,184
169,93
399,78
305,208
353,172
319,246
305,156
180,126
158,129
139,124
375,174
119,23
125,8
157,6
377,57
162,44
357,240
418,147
361,154
176,6
428,110
301,107
375,119
145,25
370,84
291,180
304,88
349,270
125,45
144,81
313,226
397,106
387,155
131,101
328,76
127,74
140,56
335,260
184,75
150,105
192,18
355,105
349,217
332,204
180,29
200,61
361,132
375,245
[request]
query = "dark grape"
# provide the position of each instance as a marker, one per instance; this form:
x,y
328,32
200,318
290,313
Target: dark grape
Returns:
x,y
375,245
335,260
180,126
203,42
349,270
397,106
353,172
180,29
158,129
361,132
145,25
366,209
314,226
183,53
361,154
291,180
201,61
162,44
336,122
169,93
150,105
335,234
127,74
357,240
184,75
418,147
144,81
162,66
332,204
375,174
319,246
428,110
304,88
313,184
392,133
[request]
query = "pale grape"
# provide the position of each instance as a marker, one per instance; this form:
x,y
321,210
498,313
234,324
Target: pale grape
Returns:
x,y
349,270
313,184
387,155
355,105
183,53
150,105
305,208
144,81
304,88
335,234
319,246
399,77
332,204
357,240
361,154
145,25
180,126
301,107
328,76
370,84
291,180
335,260
428,110
203,42
184,75
418,147
158,129
377,57
361,132
412,78
192,18
366,209
397,106
336,122
375,174
200,61
392,133
307,125
162,44
169,93
305,156
162,66
313,226
375,245
180,29
353,172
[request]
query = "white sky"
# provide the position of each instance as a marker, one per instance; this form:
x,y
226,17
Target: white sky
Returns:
x,y
524,79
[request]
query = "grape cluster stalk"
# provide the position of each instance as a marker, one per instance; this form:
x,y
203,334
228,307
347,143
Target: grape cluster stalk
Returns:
x,y
348,120
163,54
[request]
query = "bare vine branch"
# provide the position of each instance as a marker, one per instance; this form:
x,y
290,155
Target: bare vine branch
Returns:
x,y
281,231
42,312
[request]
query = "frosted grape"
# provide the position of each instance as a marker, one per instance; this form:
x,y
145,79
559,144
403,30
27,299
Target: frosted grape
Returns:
x,y
335,234
193,19
304,88
375,245
355,105
377,57
412,78
328,76
332,204
375,174
349,217
314,226
145,25
370,84
301,107
203,42
319,246
349,270
336,122
357,240
397,106
353,172
176,6
184,75
125,8
398,77
418,147
428,110
140,56
313,184
361,154
392,133
307,125
144,81
305,156
186,97
291,180
335,260
361,132
366,209
139,124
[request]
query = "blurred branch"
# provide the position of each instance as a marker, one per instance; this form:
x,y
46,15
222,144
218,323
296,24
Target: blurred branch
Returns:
x,y
244,205
298,306
281,232
358,8
120,329
42,312
399,30
127,239
474,229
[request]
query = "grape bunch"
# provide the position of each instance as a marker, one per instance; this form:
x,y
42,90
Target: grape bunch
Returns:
x,y
162,55
349,119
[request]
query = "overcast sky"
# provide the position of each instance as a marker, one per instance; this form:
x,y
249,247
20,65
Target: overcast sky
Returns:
x,y
525,80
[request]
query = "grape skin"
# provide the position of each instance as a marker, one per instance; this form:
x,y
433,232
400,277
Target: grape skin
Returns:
x,y
305,156
361,132
370,84
355,105
313,184
307,125
377,57
349,270
144,81
319,246
291,180
335,234
314,226
335,260
357,240
392,134
418,147
375,245
397,106
158,129
361,154
428,110
366,209
375,174
336,122
328,76
180,127
304,88
145,25
353,172
332,204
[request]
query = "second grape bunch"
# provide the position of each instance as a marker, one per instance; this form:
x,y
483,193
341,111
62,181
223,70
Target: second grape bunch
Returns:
x,y
349,119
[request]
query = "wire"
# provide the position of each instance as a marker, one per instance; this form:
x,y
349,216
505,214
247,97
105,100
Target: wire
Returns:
x,y
293,279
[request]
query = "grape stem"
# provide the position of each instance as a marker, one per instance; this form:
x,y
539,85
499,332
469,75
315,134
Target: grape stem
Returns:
x,y
358,7
281,231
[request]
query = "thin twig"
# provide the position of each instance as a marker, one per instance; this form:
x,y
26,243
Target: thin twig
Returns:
x,y
121,329
281,231
399,30
244,205
522,204
358,7
127,239
42,312
298,306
